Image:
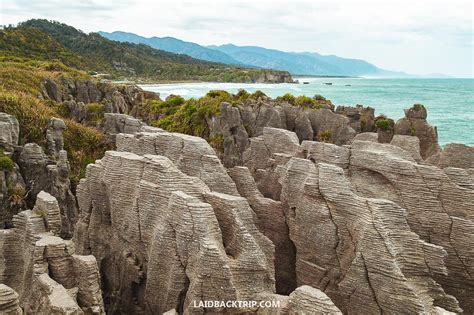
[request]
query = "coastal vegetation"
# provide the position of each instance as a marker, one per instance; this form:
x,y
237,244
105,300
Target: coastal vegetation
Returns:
x,y
315,102
383,123
20,95
193,115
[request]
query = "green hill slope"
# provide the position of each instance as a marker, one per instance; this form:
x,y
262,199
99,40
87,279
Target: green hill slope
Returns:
x,y
46,40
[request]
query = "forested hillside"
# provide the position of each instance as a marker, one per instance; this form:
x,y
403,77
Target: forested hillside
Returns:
x,y
46,40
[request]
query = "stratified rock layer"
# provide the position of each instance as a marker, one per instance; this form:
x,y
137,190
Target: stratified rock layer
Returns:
x,y
9,304
353,212
42,268
164,240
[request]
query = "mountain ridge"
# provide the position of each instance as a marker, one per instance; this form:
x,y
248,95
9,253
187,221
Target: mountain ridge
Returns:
x,y
297,63
172,44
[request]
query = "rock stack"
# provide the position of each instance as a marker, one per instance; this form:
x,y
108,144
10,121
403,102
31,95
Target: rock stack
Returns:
x,y
43,268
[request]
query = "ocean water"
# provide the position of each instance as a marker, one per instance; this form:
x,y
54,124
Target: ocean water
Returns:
x,y
450,102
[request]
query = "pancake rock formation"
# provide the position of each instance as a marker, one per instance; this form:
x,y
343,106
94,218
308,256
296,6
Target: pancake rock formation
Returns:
x,y
337,198
373,223
40,271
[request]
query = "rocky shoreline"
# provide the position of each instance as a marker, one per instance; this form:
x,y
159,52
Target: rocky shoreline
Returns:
x,y
323,209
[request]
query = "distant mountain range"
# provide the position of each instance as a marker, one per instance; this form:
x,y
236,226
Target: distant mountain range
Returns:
x,y
304,63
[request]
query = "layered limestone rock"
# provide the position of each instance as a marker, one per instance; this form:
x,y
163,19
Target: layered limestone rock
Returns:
x,y
192,155
9,304
438,209
414,123
12,185
361,118
41,173
271,221
42,268
359,251
77,93
237,124
454,155
155,229
9,131
308,300
54,136
410,144
325,205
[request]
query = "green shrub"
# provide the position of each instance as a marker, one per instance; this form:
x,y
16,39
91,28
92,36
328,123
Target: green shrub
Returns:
x,y
258,95
418,107
95,113
289,98
242,95
320,98
174,100
304,101
6,164
383,124
219,94
325,136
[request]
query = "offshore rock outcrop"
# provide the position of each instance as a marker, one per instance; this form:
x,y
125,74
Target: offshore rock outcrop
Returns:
x,y
362,119
414,123
43,269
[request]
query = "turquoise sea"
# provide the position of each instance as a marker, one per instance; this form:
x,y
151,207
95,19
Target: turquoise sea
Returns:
x,y
450,102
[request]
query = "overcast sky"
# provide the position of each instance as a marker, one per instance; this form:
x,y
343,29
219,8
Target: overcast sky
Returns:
x,y
415,36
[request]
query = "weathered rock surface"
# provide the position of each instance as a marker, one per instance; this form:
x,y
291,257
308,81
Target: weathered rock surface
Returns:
x,y
361,118
41,173
414,123
54,136
120,123
155,229
411,198
77,93
271,221
192,155
358,227
308,300
41,267
454,155
9,130
410,144
438,210
9,304
237,123
367,136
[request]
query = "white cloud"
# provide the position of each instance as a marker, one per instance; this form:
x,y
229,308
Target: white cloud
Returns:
x,y
424,36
